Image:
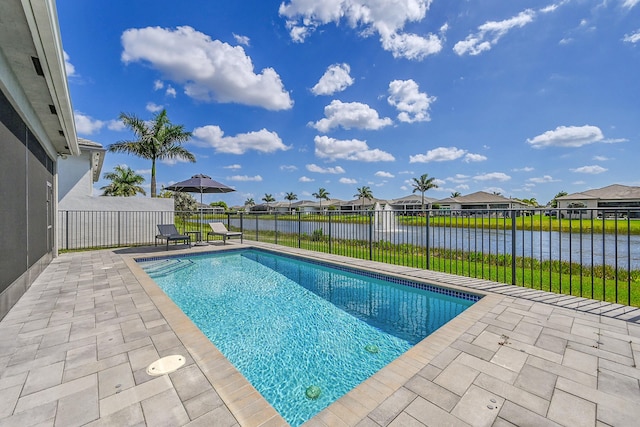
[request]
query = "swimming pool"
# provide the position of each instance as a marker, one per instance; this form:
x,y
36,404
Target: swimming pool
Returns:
x,y
290,326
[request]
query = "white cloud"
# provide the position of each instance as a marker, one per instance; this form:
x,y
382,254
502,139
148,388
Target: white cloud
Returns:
x,y
383,174
470,157
350,115
87,125
68,66
542,179
171,92
592,170
493,176
494,190
289,168
601,158
153,107
158,84
210,70
458,178
630,3
306,179
347,181
262,140
241,39
568,136
315,168
411,46
235,167
354,149
385,18
116,125
632,37
335,79
440,154
412,104
174,161
524,169
256,178
490,33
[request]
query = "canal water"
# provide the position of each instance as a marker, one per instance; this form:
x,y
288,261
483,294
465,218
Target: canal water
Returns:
x,y
622,251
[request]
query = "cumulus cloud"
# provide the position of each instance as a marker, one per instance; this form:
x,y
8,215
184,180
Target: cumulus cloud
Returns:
x,y
493,176
153,107
568,136
116,125
350,115
262,140
87,125
289,168
353,149
440,154
542,179
236,166
632,37
170,92
315,168
491,32
383,174
305,179
412,104
335,79
210,70
256,178
387,19
601,158
347,181
158,84
68,66
524,169
458,178
592,170
472,158
241,39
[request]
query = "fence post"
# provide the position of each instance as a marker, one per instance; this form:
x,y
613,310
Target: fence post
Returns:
x,y
299,229
428,244
370,235
256,227
329,212
67,229
513,246
275,217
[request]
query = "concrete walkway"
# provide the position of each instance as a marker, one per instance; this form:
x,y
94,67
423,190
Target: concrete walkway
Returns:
x,y
75,349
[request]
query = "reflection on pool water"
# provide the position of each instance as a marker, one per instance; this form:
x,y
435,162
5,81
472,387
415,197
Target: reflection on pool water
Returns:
x,y
303,334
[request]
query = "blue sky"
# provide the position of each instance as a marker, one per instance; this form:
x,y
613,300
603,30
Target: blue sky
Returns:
x,y
524,98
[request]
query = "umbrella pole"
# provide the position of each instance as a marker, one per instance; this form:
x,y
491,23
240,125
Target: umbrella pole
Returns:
x,y
200,242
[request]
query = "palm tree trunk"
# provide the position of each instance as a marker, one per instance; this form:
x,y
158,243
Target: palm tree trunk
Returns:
x,y
153,177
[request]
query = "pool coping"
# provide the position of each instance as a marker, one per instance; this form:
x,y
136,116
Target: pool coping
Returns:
x,y
248,406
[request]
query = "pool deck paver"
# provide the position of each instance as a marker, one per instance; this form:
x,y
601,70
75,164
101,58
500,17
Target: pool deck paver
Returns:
x,y
74,351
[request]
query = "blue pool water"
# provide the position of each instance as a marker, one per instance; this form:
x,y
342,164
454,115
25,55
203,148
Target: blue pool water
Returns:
x,y
288,324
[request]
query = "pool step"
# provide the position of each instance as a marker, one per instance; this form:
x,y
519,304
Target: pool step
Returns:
x,y
164,267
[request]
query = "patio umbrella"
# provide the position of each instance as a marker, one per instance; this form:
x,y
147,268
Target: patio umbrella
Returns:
x,y
200,184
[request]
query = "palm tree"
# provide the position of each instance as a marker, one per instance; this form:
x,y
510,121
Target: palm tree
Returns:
x,y
423,184
124,182
249,202
455,194
291,197
156,140
321,194
268,198
554,201
364,193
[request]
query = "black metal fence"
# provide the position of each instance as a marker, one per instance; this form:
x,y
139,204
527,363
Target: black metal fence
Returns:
x,y
593,253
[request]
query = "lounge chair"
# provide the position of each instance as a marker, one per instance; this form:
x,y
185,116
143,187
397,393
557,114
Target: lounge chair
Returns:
x,y
169,232
218,229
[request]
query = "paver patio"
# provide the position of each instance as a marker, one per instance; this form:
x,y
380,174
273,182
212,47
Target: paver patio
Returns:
x,y
75,348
